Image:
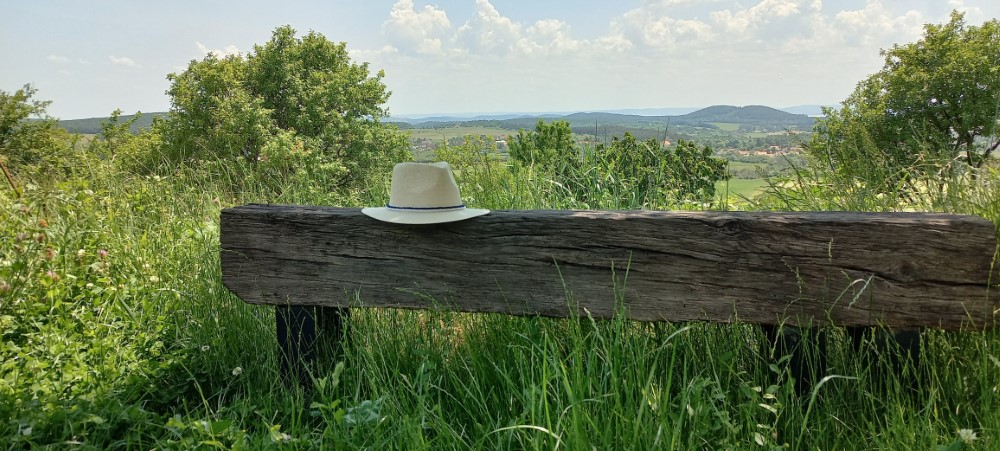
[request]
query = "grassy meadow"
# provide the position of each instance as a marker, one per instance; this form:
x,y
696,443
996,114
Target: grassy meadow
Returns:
x,y
118,334
443,134
741,189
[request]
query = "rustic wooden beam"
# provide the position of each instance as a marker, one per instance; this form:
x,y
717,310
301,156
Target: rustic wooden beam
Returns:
x,y
901,270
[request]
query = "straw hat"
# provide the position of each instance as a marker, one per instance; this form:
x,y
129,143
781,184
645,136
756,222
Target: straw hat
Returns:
x,y
423,193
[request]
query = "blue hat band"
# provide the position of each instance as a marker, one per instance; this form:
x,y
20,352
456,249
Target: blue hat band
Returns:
x,y
456,207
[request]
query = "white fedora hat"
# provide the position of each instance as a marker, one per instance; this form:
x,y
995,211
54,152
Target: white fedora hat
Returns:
x,y
423,193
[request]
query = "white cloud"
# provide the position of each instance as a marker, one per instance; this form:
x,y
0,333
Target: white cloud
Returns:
x,y
972,13
489,32
219,53
614,43
57,59
760,15
84,62
367,55
650,28
549,36
123,61
874,24
423,31
768,51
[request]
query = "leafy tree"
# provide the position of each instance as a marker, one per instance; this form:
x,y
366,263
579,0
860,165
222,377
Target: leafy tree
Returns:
x,y
213,114
695,171
549,147
632,167
31,142
654,176
935,103
124,150
115,134
291,99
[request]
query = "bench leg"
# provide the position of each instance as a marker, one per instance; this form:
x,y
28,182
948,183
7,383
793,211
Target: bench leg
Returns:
x,y
888,351
300,328
807,350
296,327
331,324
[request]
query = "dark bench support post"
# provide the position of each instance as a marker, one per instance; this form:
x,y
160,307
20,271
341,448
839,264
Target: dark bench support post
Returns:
x,y
296,327
806,348
300,329
889,351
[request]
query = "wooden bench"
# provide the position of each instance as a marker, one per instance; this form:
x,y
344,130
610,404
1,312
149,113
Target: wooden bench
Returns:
x,y
901,270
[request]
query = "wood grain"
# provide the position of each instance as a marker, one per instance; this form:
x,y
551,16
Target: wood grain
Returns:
x,y
897,269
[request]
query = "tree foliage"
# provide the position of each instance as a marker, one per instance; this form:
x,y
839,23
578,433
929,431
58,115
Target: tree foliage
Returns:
x,y
654,175
31,142
549,147
933,106
295,100
624,173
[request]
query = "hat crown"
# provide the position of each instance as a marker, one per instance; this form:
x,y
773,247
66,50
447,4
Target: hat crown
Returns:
x,y
424,186
423,193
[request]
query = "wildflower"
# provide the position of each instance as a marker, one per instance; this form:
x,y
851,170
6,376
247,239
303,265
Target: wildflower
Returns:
x,y
50,253
146,266
154,279
237,371
968,436
205,348
102,253
40,236
52,275
81,253
89,285
21,237
4,287
43,223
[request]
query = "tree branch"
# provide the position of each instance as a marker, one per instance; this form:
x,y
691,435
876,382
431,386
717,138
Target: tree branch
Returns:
x,y
10,180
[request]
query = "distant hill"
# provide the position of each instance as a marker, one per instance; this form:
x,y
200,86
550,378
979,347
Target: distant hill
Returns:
x,y
582,122
808,110
92,126
752,115
418,118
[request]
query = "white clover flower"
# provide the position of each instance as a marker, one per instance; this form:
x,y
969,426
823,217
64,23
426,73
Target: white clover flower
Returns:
x,y
81,253
967,435
205,348
154,279
237,371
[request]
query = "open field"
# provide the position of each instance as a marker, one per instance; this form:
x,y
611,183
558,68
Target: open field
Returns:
x,y
446,133
739,188
740,165
727,126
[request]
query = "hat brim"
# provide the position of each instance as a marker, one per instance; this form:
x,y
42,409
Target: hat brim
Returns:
x,y
422,217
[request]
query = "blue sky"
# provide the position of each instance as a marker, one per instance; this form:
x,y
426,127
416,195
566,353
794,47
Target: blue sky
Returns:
x,y
479,56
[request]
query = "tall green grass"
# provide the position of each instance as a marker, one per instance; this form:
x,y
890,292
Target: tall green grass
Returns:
x,y
117,333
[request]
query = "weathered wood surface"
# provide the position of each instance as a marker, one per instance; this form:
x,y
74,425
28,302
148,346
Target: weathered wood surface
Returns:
x,y
898,269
